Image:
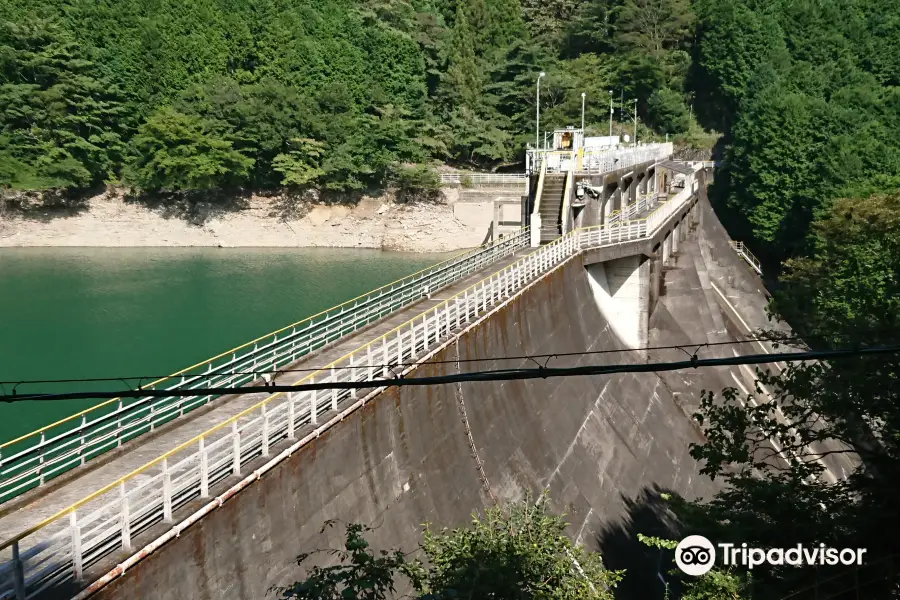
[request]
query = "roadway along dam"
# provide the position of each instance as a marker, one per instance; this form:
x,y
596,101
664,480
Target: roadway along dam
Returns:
x,y
604,446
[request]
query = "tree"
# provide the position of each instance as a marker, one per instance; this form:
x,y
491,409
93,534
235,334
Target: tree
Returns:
x,y
717,584
58,118
520,552
733,42
463,82
667,111
655,26
362,576
845,294
174,152
301,166
517,552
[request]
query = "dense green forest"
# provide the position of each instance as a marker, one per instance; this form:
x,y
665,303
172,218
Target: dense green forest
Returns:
x,y
203,94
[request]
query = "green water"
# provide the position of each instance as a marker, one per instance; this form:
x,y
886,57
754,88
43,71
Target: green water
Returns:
x,y
74,313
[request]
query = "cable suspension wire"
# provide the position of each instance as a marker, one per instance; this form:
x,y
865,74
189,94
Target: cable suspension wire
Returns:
x,y
202,375
540,372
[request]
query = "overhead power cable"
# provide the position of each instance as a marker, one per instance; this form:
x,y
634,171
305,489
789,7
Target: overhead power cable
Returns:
x,y
202,374
496,375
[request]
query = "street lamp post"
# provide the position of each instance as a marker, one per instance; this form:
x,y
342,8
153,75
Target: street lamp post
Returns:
x,y
610,113
582,112
635,122
537,129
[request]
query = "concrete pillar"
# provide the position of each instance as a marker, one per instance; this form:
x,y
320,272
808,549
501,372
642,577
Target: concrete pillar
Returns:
x,y
495,227
621,289
667,248
655,280
675,235
644,304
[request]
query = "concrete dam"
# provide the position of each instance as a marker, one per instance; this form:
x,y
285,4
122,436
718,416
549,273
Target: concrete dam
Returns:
x,y
604,446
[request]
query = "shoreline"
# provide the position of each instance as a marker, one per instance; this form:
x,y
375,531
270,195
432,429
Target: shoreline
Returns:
x,y
109,221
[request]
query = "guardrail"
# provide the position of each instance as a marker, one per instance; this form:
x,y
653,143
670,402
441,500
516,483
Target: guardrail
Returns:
x,y
744,253
535,219
600,161
35,458
479,179
60,548
644,202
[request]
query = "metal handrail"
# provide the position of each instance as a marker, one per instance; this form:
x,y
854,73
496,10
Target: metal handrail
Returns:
x,y
70,442
60,548
536,223
744,253
482,178
566,203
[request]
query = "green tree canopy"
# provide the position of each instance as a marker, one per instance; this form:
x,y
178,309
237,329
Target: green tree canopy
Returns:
x,y
173,151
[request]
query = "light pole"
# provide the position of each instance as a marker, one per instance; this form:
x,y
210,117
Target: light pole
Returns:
x,y
582,112
610,114
635,122
537,129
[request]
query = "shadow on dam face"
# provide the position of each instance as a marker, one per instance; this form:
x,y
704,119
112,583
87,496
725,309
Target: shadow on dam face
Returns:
x,y
605,447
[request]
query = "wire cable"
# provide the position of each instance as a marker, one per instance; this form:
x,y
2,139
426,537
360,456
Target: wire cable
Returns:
x,y
201,375
476,376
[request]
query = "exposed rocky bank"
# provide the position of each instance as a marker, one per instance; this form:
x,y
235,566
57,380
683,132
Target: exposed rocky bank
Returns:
x,y
111,220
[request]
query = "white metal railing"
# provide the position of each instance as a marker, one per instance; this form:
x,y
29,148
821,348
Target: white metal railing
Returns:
x,y
479,179
644,203
34,459
744,253
60,548
599,161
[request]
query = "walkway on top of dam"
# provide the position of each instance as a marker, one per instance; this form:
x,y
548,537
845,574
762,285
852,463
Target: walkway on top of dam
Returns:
x,y
42,503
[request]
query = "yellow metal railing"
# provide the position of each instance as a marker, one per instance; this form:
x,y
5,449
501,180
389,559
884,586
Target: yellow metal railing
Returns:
x,y
497,285
30,459
256,407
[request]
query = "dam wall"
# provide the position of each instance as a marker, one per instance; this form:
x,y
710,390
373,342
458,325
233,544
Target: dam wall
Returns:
x,y
601,444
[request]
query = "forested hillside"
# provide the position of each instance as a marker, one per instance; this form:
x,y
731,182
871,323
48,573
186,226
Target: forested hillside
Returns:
x,y
167,95
196,94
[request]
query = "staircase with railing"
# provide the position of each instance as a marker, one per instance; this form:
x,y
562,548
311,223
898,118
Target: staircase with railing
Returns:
x,y
745,253
551,206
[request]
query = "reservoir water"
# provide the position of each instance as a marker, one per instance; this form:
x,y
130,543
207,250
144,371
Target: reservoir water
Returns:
x,y
128,312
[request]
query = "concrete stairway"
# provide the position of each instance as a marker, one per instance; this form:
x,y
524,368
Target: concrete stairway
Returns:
x,y
551,206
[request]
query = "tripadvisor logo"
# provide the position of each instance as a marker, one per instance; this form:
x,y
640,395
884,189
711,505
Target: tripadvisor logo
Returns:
x,y
695,555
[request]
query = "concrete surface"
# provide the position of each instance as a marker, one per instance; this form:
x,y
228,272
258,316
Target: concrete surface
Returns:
x,y
605,447
600,444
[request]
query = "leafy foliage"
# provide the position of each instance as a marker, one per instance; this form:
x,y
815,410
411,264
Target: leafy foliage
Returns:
x,y
714,585
773,448
173,151
58,117
370,85
521,552
361,575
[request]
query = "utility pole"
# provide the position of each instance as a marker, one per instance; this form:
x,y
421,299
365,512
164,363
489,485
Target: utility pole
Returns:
x,y
537,128
635,117
610,114
582,113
